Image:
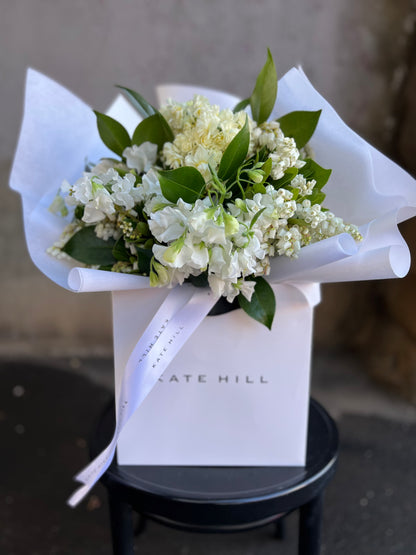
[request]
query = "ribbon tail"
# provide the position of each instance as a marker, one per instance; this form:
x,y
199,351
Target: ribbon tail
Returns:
x,y
175,321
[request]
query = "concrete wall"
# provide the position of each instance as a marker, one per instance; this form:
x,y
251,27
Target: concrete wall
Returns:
x,y
354,52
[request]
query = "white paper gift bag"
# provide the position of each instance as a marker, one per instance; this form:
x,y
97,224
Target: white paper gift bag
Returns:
x,y
236,393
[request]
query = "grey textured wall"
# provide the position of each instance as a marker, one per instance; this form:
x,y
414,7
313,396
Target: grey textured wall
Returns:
x,y
355,52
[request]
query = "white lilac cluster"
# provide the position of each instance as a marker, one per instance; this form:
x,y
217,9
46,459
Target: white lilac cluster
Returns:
x,y
283,151
231,238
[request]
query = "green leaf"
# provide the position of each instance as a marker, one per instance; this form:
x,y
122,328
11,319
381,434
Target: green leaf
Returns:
x,y
112,133
142,106
300,125
235,153
263,97
294,191
79,211
290,173
241,105
312,170
257,216
297,221
185,183
262,155
262,306
86,247
154,129
144,258
259,188
120,252
200,280
267,168
317,197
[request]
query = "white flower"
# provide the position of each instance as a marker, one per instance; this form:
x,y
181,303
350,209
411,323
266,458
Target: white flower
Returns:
x,y
99,207
107,230
284,156
214,233
142,157
217,285
124,191
149,191
224,263
311,214
172,156
100,192
150,184
289,242
103,166
283,150
222,287
177,276
230,289
173,113
217,260
197,253
95,192
168,224
247,288
82,190
106,178
201,159
249,257
187,258
305,187
204,220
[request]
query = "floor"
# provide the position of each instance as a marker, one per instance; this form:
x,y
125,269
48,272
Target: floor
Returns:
x,y
47,411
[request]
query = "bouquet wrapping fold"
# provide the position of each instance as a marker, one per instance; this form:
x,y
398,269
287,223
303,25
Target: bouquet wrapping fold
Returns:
x,y
236,394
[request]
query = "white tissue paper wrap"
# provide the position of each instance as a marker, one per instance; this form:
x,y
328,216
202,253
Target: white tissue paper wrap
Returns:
x,y
187,412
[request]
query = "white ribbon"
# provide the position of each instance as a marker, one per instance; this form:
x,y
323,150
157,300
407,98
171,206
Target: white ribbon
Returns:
x,y
178,317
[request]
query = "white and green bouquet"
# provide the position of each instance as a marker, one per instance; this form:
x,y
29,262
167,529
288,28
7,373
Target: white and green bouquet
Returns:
x,y
195,203
203,195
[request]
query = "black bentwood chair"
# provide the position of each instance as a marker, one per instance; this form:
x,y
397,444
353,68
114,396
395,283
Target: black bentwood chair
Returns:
x,y
221,499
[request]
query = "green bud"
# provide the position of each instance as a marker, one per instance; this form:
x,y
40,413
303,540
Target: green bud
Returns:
x,y
160,206
58,206
96,185
153,279
210,212
159,276
231,224
256,175
162,272
172,252
239,202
